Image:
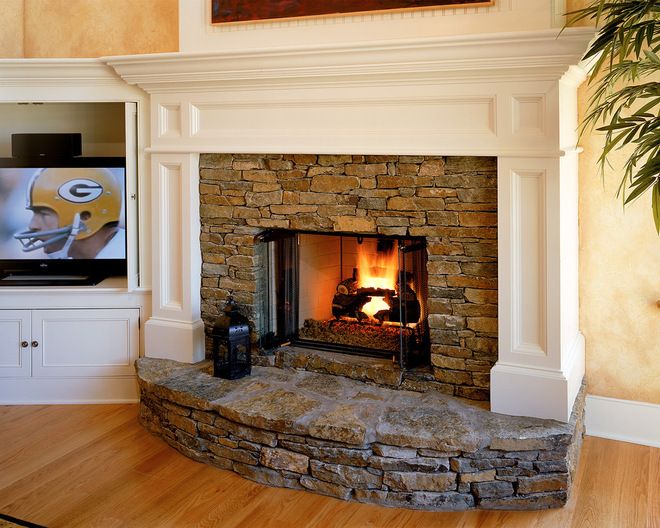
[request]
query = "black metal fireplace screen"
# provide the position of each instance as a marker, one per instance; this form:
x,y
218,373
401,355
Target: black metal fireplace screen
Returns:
x,y
358,294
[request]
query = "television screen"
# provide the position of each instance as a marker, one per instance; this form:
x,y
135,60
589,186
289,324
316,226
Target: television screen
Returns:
x,y
62,212
62,221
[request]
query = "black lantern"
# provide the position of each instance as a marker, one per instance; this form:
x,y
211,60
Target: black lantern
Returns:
x,y
231,344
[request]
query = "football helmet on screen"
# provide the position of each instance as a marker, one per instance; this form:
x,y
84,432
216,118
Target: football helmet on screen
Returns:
x,y
85,199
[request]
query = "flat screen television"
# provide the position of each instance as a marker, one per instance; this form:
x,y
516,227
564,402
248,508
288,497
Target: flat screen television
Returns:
x,y
62,221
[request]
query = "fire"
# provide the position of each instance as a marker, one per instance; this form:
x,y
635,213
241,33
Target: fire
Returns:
x,y
377,270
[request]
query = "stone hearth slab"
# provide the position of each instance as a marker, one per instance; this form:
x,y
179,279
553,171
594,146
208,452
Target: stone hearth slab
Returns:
x,y
358,441
379,371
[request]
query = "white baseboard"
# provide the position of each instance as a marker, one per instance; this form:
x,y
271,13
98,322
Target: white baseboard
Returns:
x,y
624,420
47,391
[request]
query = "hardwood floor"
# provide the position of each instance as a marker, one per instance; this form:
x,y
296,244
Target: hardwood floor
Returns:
x,y
94,465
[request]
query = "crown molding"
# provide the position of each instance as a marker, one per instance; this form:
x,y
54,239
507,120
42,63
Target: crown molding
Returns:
x,y
538,55
55,72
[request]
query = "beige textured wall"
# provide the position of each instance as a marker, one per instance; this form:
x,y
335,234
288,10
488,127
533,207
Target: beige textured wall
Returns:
x,y
619,279
11,28
89,28
619,283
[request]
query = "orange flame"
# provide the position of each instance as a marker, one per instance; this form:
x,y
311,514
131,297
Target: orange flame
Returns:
x,y
377,270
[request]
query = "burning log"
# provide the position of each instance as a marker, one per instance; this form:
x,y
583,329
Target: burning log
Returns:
x,y
350,300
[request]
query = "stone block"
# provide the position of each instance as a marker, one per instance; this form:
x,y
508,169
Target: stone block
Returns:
x,y
304,159
521,444
373,204
221,161
326,160
481,296
477,476
446,322
479,269
435,167
294,186
183,423
248,164
456,377
552,466
279,164
442,267
328,211
416,464
366,170
237,455
354,224
420,500
448,362
326,488
494,489
440,307
463,281
543,483
486,325
443,218
263,199
260,176
477,219
418,481
476,195
348,476
265,476
393,451
317,198
331,183
529,502
215,211
282,459
434,453
342,424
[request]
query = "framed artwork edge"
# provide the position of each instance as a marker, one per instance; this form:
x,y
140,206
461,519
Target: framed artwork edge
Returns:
x,y
215,22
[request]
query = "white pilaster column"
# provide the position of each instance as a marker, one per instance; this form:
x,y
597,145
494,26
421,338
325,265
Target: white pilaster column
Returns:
x,y
541,351
175,329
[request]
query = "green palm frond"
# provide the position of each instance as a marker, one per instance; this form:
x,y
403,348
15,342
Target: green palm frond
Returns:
x,y
626,90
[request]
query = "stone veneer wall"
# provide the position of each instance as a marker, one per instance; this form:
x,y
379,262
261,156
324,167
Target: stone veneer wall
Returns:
x,y
452,201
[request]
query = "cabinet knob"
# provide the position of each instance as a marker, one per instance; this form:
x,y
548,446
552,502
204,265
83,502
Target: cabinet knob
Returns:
x,y
35,344
24,344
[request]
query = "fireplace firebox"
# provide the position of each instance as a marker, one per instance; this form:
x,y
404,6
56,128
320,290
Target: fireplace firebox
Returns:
x,y
356,294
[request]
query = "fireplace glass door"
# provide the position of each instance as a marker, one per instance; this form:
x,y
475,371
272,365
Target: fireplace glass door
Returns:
x,y
362,295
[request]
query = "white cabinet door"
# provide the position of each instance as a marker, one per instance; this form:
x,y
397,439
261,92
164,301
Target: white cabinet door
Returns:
x,y
84,343
14,343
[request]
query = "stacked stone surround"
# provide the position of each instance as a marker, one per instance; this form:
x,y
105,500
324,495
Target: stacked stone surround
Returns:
x,y
452,201
357,441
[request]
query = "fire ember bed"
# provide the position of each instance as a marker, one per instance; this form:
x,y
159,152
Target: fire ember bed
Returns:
x,y
354,334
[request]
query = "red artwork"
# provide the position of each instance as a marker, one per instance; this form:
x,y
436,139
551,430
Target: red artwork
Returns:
x,y
250,10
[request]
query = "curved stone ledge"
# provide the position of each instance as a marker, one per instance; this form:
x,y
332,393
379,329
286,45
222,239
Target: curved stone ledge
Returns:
x,y
358,441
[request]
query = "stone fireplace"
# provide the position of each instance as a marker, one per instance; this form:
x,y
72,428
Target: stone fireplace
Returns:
x,y
506,97
465,144
441,211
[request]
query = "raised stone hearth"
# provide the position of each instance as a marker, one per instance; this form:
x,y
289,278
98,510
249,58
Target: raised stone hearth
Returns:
x,y
357,441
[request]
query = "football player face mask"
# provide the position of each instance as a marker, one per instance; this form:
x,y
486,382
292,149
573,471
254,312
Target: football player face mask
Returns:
x,y
68,204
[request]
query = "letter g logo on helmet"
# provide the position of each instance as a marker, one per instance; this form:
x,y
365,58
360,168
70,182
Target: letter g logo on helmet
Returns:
x,y
80,191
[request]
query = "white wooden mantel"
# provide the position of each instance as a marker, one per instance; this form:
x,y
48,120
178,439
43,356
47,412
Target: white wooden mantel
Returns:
x,y
510,95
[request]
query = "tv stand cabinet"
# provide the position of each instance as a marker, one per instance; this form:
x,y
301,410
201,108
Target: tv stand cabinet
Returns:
x,y
78,343
69,344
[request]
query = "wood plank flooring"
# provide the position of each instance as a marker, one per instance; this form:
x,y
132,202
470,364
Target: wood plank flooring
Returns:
x,y
95,466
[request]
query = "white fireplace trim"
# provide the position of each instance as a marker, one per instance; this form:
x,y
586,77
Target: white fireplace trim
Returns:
x,y
507,95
